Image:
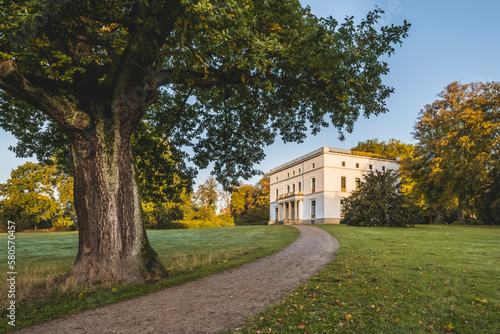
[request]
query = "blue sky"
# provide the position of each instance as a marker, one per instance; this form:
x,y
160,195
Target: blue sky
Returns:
x,y
449,41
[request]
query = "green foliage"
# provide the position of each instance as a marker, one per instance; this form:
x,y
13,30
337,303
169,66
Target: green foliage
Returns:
x,y
161,170
237,73
253,216
455,163
426,279
393,148
164,179
214,221
207,197
250,204
62,224
29,196
189,211
243,198
379,202
488,203
263,190
162,215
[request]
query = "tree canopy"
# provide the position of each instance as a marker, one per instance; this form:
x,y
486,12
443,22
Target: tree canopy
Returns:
x,y
220,79
393,148
456,158
250,204
29,196
238,72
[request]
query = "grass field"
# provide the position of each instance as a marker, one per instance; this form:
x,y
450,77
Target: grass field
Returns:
x,y
426,279
188,255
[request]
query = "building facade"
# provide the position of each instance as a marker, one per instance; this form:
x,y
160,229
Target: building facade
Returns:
x,y
311,189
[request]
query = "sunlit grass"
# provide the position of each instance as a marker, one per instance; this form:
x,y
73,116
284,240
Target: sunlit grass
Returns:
x,y
427,279
188,255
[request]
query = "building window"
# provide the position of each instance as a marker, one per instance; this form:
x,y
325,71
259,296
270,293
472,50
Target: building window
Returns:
x,y
314,165
371,167
276,194
299,170
276,178
293,173
313,185
276,214
342,203
287,189
343,163
293,188
287,174
357,164
358,182
313,208
343,183
383,168
300,186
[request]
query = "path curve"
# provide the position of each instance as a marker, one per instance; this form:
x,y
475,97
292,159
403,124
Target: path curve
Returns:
x,y
213,303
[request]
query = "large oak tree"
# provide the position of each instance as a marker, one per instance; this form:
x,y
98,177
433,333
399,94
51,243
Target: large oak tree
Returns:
x,y
222,77
457,154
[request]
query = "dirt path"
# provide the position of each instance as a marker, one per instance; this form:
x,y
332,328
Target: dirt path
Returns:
x,y
211,304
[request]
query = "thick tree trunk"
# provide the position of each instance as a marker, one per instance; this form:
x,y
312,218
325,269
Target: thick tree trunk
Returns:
x,y
113,245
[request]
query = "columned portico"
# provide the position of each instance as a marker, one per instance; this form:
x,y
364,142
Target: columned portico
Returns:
x,y
295,213
289,211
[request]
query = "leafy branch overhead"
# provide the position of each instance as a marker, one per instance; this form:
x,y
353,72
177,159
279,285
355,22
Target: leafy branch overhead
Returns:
x,y
224,78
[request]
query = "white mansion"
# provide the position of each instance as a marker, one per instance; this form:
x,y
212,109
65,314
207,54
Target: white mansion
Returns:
x,y
311,189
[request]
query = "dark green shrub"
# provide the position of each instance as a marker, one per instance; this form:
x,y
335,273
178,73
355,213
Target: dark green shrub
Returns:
x,y
379,202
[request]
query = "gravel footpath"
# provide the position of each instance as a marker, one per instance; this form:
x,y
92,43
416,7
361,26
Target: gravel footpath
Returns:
x,y
213,303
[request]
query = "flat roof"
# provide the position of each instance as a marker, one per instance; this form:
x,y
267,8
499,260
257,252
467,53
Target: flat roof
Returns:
x,y
325,149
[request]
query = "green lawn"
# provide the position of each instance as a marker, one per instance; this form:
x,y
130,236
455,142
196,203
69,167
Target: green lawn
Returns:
x,y
188,255
426,279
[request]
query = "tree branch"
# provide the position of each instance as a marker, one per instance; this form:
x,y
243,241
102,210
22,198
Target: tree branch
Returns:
x,y
181,46
178,115
210,77
50,96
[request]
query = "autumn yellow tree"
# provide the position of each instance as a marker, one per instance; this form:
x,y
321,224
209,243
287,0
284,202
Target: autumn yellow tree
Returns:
x,y
392,148
250,203
30,195
458,147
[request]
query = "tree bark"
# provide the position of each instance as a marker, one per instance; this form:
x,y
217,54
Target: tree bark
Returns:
x,y
460,216
460,213
113,245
